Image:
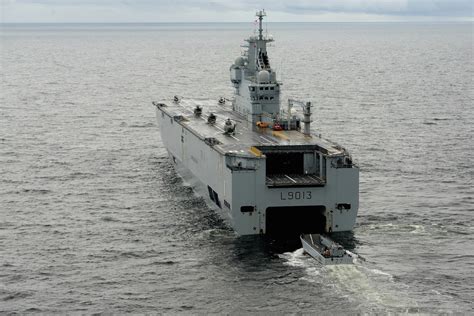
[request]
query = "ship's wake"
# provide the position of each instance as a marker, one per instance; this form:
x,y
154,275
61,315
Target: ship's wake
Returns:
x,y
369,289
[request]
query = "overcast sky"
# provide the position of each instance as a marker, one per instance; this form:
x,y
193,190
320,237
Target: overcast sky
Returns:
x,y
233,10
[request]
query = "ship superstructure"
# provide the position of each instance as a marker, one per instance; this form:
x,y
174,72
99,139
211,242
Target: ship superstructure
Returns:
x,y
256,162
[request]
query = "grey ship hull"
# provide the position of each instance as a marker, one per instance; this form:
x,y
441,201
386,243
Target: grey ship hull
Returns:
x,y
247,179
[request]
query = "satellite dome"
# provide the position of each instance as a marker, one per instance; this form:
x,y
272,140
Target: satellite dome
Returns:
x,y
263,76
239,61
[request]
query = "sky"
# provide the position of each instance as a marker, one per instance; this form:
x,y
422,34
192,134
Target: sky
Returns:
x,y
109,11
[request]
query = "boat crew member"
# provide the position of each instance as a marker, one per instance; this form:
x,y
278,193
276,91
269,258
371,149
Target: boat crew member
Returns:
x,y
327,252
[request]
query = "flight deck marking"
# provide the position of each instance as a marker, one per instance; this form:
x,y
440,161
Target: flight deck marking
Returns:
x,y
280,134
268,140
290,178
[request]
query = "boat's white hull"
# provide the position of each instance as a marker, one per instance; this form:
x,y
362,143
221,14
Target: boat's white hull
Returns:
x,y
309,249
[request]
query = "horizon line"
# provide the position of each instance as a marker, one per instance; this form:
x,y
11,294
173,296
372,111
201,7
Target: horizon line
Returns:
x,y
249,22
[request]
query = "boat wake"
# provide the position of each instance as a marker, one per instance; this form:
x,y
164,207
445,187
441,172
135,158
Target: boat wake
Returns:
x,y
369,289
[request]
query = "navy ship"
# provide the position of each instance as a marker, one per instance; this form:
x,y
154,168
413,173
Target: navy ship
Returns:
x,y
255,161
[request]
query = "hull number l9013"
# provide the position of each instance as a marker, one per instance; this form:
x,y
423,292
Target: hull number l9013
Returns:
x,y
305,195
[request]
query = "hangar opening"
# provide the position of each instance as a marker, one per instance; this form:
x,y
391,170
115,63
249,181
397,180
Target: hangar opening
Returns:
x,y
295,220
285,162
303,166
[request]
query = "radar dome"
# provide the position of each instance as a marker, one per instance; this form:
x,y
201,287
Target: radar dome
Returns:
x,y
263,76
239,61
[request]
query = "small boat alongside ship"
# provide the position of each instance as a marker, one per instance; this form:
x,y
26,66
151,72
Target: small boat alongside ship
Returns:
x,y
325,250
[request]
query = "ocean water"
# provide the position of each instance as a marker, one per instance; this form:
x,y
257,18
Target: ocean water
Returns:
x,y
93,217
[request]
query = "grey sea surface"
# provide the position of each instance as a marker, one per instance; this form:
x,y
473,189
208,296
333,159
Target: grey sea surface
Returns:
x,y
93,217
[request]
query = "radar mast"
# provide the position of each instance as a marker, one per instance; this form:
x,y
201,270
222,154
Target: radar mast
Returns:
x,y
260,15
257,92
